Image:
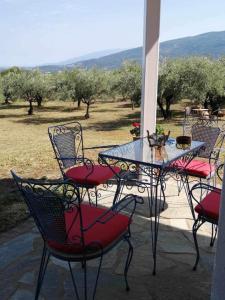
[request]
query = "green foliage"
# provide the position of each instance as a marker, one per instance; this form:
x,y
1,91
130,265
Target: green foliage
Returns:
x,y
128,82
33,87
9,86
199,79
159,129
169,87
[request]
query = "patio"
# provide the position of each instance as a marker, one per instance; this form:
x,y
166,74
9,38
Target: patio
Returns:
x,y
20,248
20,252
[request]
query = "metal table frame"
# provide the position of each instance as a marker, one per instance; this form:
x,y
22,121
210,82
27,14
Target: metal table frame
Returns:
x,y
148,176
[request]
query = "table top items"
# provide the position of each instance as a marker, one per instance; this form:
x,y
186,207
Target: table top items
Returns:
x,y
157,140
183,142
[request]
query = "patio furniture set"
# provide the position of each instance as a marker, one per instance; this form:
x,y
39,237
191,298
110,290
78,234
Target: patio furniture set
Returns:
x,y
204,113
68,212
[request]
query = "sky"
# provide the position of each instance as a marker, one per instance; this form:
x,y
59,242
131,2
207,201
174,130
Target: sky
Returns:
x,y
34,32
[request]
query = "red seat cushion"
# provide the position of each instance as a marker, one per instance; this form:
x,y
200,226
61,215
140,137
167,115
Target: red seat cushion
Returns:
x,y
210,205
103,234
196,167
88,176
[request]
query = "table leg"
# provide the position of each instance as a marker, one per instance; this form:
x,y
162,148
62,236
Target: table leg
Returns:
x,y
156,198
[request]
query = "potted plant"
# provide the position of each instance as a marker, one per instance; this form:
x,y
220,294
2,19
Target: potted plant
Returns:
x,y
135,131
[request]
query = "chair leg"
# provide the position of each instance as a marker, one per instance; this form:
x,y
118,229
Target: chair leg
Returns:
x,y
85,279
84,267
43,266
180,186
197,224
73,280
189,198
214,234
119,191
201,192
97,277
89,197
96,196
163,188
128,261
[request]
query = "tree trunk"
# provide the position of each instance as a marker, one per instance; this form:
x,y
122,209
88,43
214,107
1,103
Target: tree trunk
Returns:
x,y
132,104
78,103
168,104
31,109
39,101
7,101
160,104
87,116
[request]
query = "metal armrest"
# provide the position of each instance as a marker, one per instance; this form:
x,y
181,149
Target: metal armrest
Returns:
x,y
83,160
101,147
214,155
129,202
219,168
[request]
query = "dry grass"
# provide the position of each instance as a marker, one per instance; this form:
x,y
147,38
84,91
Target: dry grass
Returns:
x,y
25,145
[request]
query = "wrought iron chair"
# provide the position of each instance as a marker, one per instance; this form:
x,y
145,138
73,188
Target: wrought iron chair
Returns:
x,y
206,164
75,231
207,210
67,143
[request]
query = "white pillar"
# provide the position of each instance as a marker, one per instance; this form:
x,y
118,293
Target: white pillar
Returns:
x,y
218,286
150,65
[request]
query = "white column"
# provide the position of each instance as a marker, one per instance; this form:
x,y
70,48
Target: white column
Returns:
x,y
218,286
150,65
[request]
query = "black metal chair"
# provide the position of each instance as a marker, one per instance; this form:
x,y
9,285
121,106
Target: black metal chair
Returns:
x,y
73,230
207,210
67,143
206,164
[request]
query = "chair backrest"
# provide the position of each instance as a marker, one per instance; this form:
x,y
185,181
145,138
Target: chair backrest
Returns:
x,y
48,202
67,143
206,134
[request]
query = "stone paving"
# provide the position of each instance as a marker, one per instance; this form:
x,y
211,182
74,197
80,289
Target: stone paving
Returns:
x,y
20,251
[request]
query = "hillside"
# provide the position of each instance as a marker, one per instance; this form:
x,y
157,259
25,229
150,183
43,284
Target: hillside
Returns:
x,y
92,55
210,44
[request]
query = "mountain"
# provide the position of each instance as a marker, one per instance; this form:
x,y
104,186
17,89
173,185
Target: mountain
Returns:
x,y
211,44
88,56
112,61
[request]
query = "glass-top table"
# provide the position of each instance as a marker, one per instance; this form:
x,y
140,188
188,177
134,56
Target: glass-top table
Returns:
x,y
150,165
140,152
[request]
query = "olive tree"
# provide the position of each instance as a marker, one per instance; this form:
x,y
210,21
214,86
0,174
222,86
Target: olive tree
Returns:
x,y
129,82
33,87
169,86
196,78
9,86
215,96
86,88
60,88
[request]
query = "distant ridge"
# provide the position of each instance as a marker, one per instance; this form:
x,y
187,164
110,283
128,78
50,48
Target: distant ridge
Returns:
x,y
211,44
92,55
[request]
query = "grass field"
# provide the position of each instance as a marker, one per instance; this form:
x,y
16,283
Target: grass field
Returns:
x,y
25,145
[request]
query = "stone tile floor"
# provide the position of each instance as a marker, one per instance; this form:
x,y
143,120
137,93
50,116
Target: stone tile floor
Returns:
x,y
20,251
